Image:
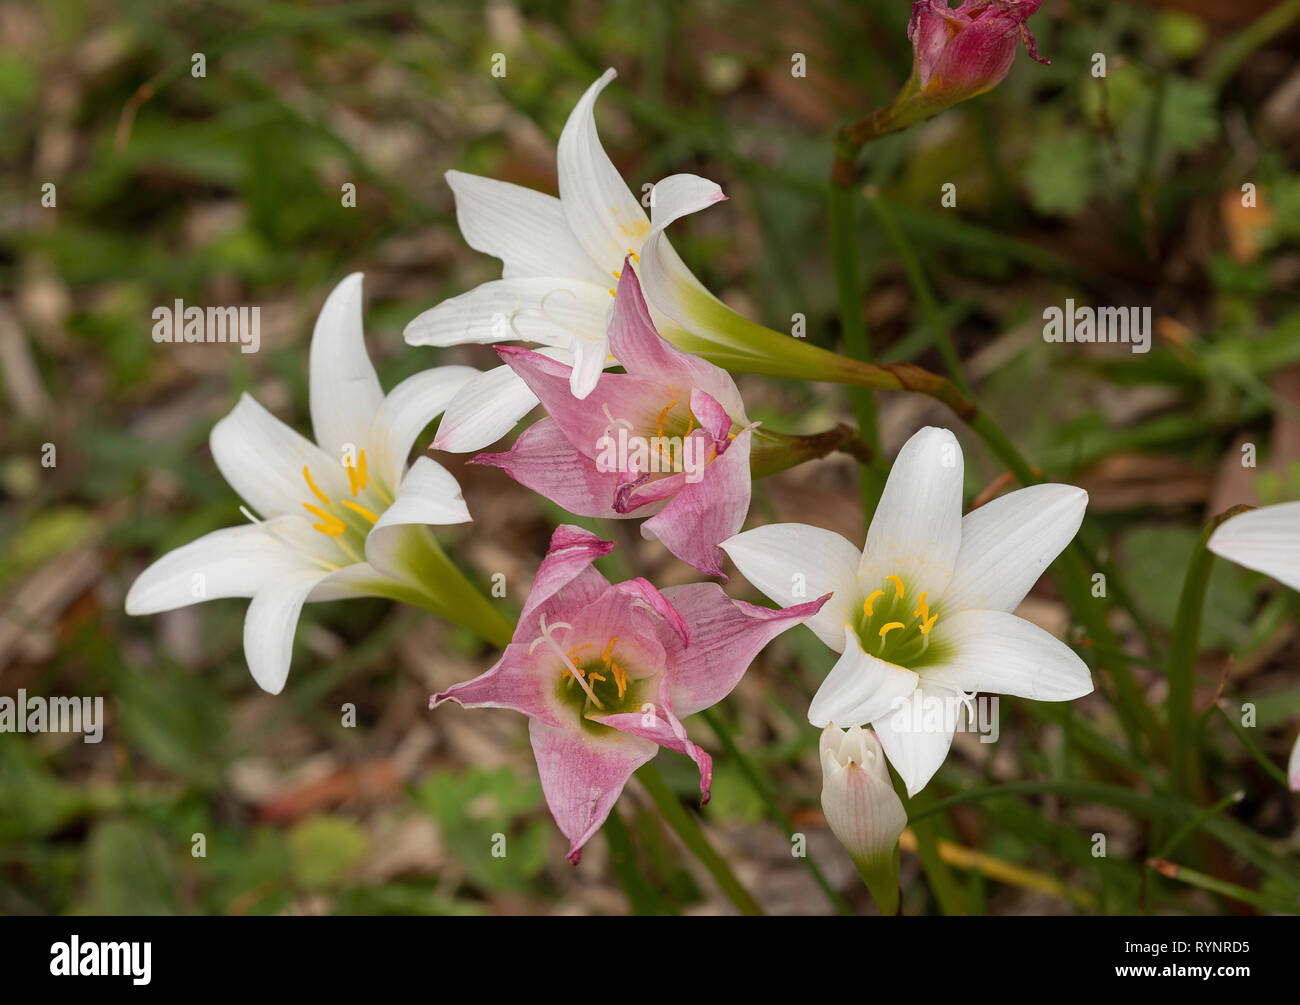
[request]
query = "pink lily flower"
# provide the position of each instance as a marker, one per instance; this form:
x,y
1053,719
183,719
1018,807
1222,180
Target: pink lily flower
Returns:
x,y
668,438
960,53
605,673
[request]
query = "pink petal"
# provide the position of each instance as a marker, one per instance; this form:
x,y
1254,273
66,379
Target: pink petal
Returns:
x,y
664,728
635,343
711,415
517,681
546,461
643,589
565,576
582,776
726,636
707,512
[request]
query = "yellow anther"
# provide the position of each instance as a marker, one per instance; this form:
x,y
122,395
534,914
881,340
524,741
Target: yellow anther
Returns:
x,y
611,292
620,678
890,627
608,655
898,586
870,602
595,677
616,274
372,517
357,473
578,649
635,257
329,523
922,608
925,628
306,473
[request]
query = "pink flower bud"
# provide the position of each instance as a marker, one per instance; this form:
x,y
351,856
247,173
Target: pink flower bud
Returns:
x,y
960,53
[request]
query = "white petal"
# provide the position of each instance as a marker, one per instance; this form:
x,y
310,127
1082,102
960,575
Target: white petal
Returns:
x,y
916,744
590,357
270,625
780,558
360,579
233,562
428,494
548,310
1000,653
523,228
345,391
604,215
680,195
263,460
916,530
1007,543
484,410
860,687
1266,540
409,407
1293,767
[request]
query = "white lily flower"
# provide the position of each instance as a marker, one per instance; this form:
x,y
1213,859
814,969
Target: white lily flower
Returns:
x,y
341,517
561,262
1266,540
863,810
922,614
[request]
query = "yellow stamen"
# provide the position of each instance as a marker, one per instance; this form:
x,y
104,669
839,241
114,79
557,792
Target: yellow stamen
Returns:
x,y
595,677
620,678
372,517
663,417
357,473
616,274
922,608
635,257
306,473
870,602
608,655
890,627
925,628
611,292
898,586
329,523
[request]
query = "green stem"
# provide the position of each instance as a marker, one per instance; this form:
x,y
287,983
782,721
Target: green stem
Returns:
x,y
1238,48
1213,884
842,210
693,837
1187,829
1252,748
641,896
1184,774
921,289
774,810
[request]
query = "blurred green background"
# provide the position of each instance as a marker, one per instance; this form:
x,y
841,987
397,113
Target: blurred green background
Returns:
x,y
226,189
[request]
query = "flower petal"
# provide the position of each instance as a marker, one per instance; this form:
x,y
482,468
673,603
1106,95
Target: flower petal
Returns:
x,y
549,310
513,682
345,391
483,411
1007,543
680,195
582,777
706,511
545,461
270,625
860,687
725,636
604,215
523,228
917,744
566,571
661,726
916,530
790,562
997,652
404,413
429,494
232,562
638,346
1293,767
1266,540
263,460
